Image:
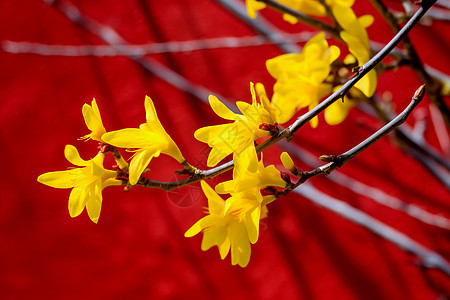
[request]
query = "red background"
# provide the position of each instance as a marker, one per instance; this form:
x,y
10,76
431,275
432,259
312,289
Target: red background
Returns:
x,y
137,250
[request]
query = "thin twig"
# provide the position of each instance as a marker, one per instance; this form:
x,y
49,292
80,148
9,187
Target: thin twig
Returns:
x,y
260,25
405,136
288,132
433,86
335,162
368,191
112,38
363,70
152,48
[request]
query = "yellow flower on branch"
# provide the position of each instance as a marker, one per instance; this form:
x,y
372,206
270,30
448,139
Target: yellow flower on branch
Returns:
x,y
355,35
231,224
253,6
149,140
338,111
234,137
93,121
307,7
87,182
250,174
300,77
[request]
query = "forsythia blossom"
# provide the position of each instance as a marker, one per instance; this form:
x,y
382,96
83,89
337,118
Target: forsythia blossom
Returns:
x,y
355,35
87,182
249,173
234,137
230,224
93,121
150,140
300,77
235,222
307,7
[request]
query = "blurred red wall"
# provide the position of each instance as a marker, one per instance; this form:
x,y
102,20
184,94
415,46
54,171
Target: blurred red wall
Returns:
x,y
137,250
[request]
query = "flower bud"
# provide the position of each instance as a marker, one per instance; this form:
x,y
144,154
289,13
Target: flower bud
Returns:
x,y
287,161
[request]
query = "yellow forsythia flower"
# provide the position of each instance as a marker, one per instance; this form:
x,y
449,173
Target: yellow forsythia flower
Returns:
x,y
231,224
87,182
355,35
308,7
234,137
93,121
249,173
338,111
150,140
253,6
300,77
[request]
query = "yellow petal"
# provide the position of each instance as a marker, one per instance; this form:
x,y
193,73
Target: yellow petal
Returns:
x,y
240,245
252,224
200,225
58,179
94,205
337,112
215,202
77,201
152,117
224,247
290,19
93,120
366,20
252,6
133,138
225,187
139,162
72,155
246,160
220,109
314,122
213,236
368,84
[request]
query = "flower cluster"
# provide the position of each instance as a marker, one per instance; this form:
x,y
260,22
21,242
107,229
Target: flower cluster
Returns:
x,y
302,81
235,137
234,223
147,141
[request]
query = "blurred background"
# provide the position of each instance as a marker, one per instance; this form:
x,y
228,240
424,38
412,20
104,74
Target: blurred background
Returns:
x,y
378,228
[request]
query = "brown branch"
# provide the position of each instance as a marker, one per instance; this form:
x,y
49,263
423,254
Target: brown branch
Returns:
x,y
434,87
288,132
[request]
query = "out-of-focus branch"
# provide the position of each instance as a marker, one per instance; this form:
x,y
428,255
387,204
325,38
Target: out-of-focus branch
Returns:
x,y
315,23
112,38
152,48
428,257
434,87
370,192
260,25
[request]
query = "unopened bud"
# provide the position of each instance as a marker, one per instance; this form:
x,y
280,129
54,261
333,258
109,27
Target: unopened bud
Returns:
x,y
419,92
326,158
287,161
